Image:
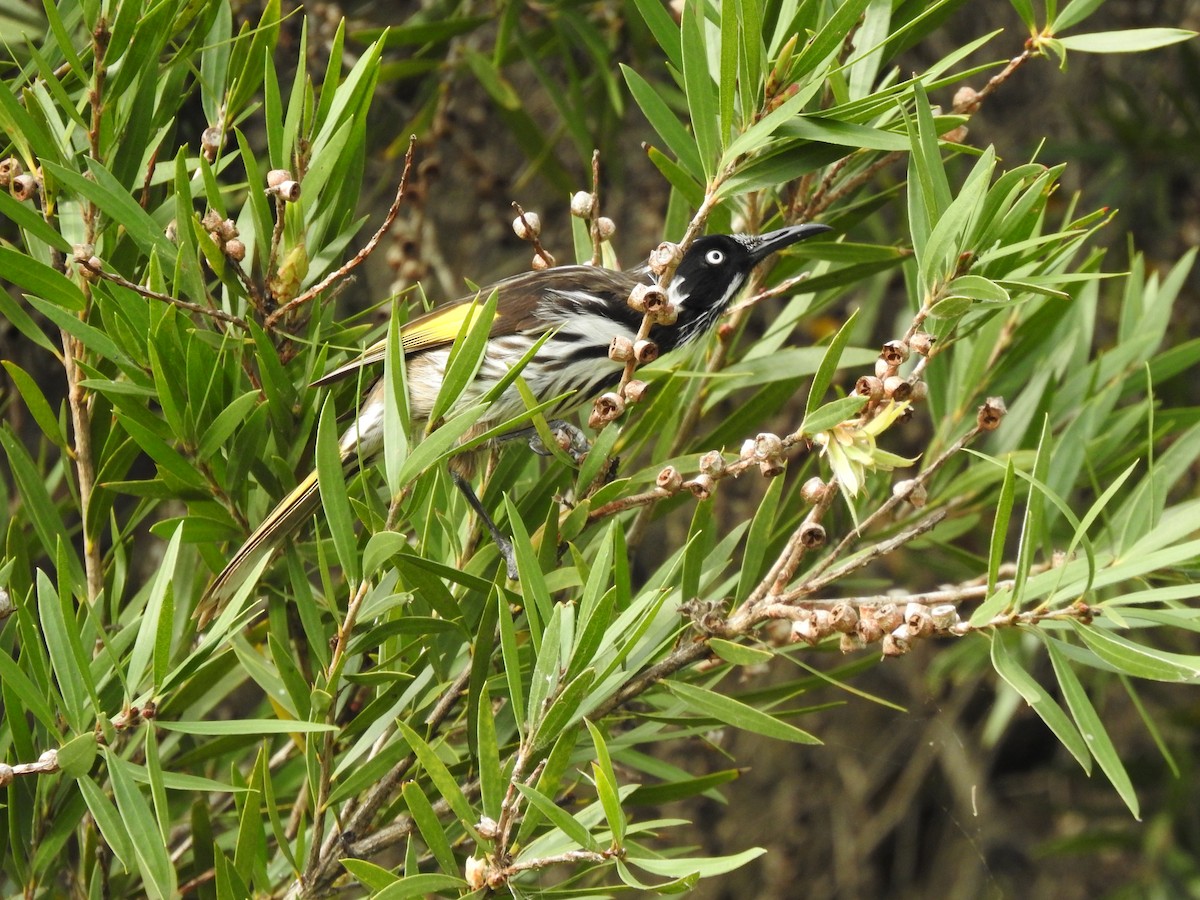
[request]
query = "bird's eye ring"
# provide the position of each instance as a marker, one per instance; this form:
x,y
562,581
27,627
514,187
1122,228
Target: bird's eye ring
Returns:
x,y
714,257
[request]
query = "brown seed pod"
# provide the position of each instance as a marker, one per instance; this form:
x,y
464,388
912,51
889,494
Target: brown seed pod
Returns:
x,y
918,619
620,348
605,228
582,205
843,617
966,100
10,168
882,369
235,250
701,486
634,391
527,226
539,262
870,387
922,343
645,351
767,446
276,177
991,414
608,406
288,191
23,187
920,391
669,479
665,256
894,353
813,490
712,463
889,617
851,642
812,535
896,387
895,646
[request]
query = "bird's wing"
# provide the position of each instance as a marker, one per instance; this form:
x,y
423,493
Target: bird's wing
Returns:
x,y
516,311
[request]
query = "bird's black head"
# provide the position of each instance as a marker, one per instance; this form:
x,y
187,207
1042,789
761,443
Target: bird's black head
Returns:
x,y
713,271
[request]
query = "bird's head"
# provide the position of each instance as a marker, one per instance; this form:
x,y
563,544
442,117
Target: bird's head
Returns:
x,y
715,268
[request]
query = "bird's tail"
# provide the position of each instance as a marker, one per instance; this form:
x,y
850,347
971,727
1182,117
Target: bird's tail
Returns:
x,y
288,515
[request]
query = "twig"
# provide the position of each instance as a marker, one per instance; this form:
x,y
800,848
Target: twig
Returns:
x,y
210,311
361,256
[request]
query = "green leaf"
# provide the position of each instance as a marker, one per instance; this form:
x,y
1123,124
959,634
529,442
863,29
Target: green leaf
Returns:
x,y
243,727
829,367
559,818
666,123
1090,726
110,822
606,786
1132,40
335,498
1040,700
36,403
832,414
41,280
424,885
76,756
705,867
1135,659
736,713
740,654
698,84
149,844
445,783
430,827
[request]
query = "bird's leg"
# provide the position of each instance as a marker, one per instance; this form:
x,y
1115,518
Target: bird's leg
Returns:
x,y
503,544
570,438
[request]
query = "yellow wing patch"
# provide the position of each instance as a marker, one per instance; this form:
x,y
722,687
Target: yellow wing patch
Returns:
x,y
434,329
441,326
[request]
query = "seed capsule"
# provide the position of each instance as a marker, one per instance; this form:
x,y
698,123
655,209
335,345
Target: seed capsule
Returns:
x,y
276,177
605,228
669,479
582,205
527,226
991,414
633,391
620,348
645,351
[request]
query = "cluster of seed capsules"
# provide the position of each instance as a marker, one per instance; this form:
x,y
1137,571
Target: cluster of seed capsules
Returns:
x,y
896,627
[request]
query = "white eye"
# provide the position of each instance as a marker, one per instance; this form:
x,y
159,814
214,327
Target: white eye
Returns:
x,y
714,257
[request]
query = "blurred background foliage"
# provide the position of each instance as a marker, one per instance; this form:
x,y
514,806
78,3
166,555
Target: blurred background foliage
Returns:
x,y
935,776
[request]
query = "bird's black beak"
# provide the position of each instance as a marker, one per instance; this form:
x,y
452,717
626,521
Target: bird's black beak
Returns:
x,y
774,241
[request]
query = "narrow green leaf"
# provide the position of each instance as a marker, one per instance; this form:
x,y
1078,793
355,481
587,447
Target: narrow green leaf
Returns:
x,y
1131,40
740,654
430,826
1135,659
738,714
1040,700
110,822
829,366
832,414
242,727
425,885
445,783
36,402
666,123
150,851
698,84
492,784
335,499
1090,726
66,654
606,786
559,818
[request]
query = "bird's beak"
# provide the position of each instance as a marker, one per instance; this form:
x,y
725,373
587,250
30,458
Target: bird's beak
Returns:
x,y
774,241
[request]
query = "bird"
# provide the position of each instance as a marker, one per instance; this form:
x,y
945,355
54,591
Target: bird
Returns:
x,y
579,307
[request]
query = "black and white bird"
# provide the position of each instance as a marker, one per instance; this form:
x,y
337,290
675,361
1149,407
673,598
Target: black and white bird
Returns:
x,y
581,308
